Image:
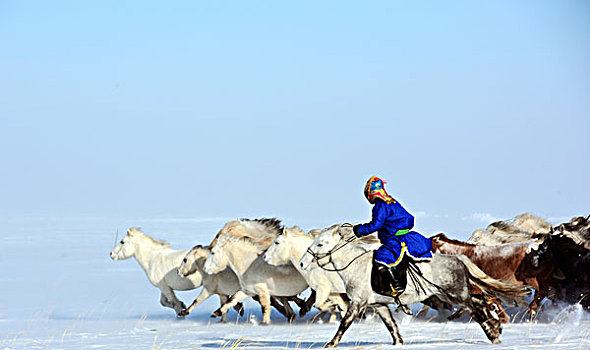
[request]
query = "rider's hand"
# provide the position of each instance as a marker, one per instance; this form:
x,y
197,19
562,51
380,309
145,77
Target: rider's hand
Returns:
x,y
355,229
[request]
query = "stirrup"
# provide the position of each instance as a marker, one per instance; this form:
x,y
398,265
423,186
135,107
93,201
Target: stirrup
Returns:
x,y
395,292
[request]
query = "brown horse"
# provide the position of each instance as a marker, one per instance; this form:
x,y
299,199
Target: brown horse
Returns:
x,y
500,262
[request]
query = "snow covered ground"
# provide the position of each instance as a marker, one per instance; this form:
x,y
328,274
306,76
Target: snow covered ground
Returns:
x,y
60,289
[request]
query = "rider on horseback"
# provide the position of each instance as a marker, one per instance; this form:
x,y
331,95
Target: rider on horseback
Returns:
x,y
393,224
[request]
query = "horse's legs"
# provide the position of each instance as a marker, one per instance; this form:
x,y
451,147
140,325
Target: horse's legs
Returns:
x,y
264,296
385,314
540,294
481,314
339,305
222,300
198,300
423,311
456,314
165,302
173,301
239,307
343,302
304,309
496,308
274,303
321,299
440,306
345,322
233,301
304,305
289,313
318,316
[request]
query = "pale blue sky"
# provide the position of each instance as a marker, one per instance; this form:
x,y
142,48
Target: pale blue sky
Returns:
x,y
191,109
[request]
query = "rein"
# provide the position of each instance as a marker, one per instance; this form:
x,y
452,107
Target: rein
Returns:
x,y
318,256
116,238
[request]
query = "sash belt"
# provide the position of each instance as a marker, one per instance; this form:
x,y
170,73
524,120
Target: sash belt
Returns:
x,y
402,232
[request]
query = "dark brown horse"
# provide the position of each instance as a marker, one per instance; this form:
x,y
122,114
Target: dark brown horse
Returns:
x,y
578,229
562,267
500,262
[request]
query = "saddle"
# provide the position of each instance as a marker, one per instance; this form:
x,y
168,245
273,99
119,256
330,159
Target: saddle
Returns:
x,y
390,281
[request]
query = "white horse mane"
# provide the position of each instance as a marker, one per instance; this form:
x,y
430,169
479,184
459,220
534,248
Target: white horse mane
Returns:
x,y
259,232
361,241
137,231
522,228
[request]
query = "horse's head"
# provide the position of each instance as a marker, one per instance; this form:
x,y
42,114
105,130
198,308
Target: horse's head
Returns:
x,y
319,251
189,263
126,248
218,260
279,252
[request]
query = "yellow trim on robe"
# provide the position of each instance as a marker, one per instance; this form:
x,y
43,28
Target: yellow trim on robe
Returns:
x,y
401,255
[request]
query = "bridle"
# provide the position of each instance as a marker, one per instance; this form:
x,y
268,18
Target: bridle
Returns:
x,y
345,241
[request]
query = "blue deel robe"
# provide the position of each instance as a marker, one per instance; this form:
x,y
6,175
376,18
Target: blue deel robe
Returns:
x,y
387,220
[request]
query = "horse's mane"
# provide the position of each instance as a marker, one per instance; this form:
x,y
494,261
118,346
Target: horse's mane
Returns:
x,y
138,231
442,237
260,232
522,228
369,239
361,241
199,246
577,229
315,232
295,230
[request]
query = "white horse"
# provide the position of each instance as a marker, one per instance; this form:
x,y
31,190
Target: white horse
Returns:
x,y
159,262
241,251
224,283
447,278
289,247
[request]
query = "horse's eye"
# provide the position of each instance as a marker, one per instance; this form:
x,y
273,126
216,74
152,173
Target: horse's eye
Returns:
x,y
320,245
122,242
184,260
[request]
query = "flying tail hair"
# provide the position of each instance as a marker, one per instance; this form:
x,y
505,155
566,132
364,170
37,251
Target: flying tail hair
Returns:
x,y
491,286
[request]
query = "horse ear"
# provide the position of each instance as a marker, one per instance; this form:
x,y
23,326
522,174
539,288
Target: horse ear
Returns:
x,y
561,228
129,232
284,231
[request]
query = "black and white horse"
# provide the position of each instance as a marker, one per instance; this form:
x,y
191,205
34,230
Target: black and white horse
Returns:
x,y
443,279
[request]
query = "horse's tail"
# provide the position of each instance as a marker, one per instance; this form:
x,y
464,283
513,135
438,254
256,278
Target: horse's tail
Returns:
x,y
491,286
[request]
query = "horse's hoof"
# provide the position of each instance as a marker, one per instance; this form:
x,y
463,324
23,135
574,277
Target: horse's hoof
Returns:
x,y
216,313
181,315
496,341
330,345
239,307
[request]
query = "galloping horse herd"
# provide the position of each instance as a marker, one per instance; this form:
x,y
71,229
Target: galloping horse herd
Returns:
x,y
273,264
